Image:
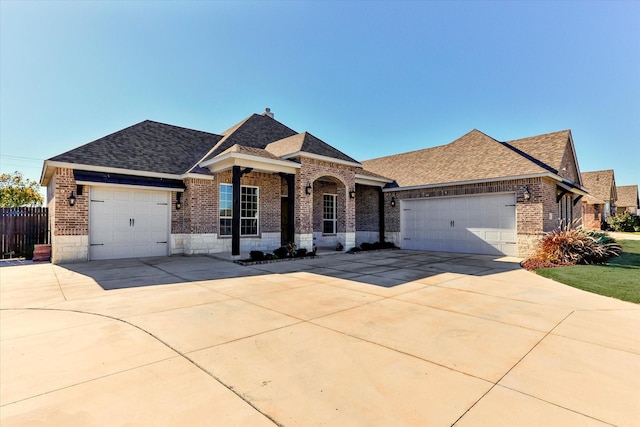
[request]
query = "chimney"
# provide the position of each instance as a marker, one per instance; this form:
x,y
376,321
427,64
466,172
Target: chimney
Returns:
x,y
267,112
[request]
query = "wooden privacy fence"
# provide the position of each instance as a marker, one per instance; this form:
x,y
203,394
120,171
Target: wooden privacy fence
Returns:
x,y
21,229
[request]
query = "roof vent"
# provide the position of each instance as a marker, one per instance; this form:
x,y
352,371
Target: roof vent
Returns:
x,y
267,112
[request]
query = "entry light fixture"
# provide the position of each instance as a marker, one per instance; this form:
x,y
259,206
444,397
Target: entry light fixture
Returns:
x,y
526,194
393,202
178,201
352,194
72,199
308,188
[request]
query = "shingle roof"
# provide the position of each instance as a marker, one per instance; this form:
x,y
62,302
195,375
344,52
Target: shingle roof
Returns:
x,y
600,185
474,156
627,196
255,131
547,148
147,146
307,143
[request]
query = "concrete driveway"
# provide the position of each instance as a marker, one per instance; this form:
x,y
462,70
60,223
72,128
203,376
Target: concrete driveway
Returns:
x,y
396,338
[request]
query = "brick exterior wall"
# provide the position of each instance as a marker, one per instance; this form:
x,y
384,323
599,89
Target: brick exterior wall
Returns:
x,y
367,208
343,176
69,225
68,220
592,215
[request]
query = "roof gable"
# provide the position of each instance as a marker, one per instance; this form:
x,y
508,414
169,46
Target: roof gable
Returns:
x,y
474,156
601,185
256,131
628,196
548,149
306,143
147,146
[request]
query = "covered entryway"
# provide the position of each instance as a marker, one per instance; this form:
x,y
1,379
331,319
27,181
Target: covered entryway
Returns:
x,y
483,224
128,223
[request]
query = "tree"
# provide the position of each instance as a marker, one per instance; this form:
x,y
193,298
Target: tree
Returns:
x,y
16,190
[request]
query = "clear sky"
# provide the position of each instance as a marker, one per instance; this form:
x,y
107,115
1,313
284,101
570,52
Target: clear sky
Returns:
x,y
370,78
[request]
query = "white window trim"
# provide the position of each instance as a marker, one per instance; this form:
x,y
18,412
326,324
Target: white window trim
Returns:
x,y
257,217
335,214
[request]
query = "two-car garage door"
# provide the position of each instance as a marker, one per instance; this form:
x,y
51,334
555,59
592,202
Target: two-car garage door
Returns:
x,y
472,224
128,223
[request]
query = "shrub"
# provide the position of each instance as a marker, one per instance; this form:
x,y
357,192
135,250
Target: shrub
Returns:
x,y
366,246
571,246
270,256
281,252
256,255
534,264
625,221
300,253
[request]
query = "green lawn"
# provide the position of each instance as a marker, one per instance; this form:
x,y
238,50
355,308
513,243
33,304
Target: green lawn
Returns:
x,y
620,278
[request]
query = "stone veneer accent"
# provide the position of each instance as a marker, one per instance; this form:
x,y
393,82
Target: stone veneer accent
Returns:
x,y
69,249
203,244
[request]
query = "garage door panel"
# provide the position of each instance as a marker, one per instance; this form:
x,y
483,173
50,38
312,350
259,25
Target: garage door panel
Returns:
x,y
127,223
476,224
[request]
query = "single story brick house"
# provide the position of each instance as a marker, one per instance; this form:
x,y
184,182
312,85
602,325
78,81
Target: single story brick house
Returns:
x,y
601,201
155,189
627,199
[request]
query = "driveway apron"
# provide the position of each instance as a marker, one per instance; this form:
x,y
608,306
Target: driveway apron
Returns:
x,y
369,339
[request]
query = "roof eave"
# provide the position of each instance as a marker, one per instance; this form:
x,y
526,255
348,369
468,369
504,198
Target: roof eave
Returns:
x,y
228,160
321,158
576,189
373,181
50,165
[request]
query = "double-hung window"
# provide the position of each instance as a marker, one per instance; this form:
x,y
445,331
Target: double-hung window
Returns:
x,y
249,213
329,214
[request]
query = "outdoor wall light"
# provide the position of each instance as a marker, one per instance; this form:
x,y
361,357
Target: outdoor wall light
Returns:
x,y
308,188
352,194
178,201
393,202
72,199
526,194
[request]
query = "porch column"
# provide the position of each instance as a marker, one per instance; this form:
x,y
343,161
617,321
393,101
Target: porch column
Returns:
x,y
235,219
381,214
291,203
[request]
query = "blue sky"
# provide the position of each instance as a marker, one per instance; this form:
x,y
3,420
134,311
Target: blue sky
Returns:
x,y
370,78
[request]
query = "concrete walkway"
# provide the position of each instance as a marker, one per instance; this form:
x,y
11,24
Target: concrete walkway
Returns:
x,y
395,338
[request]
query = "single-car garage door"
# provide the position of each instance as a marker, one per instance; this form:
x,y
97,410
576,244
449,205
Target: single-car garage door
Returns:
x,y
126,223
472,224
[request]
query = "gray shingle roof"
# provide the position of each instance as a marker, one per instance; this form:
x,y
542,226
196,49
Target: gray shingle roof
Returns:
x,y
627,196
601,186
472,157
257,131
307,143
147,146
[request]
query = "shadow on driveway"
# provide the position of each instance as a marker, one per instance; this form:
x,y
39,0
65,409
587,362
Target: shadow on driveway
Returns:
x,y
380,268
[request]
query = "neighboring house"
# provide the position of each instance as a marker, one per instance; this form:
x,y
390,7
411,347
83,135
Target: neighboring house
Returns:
x,y
600,203
481,195
155,189
628,199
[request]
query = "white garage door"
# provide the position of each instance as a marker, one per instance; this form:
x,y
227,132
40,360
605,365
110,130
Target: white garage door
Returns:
x,y
125,223
473,224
